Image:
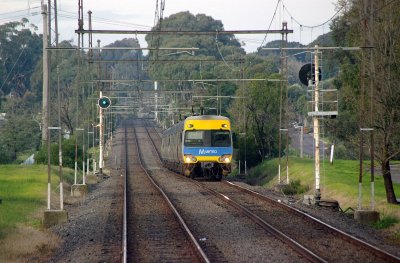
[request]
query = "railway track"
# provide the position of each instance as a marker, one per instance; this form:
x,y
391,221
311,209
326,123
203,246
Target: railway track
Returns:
x,y
329,243
154,230
212,249
313,239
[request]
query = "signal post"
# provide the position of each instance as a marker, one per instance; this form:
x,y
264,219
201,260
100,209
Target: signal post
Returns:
x,y
103,103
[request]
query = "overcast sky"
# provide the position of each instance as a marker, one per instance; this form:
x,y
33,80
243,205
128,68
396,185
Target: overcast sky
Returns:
x,y
140,14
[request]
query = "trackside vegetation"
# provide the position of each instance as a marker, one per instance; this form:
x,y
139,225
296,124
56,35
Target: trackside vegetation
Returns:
x,y
23,191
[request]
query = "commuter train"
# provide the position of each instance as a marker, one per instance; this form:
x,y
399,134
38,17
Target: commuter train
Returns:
x,y
199,146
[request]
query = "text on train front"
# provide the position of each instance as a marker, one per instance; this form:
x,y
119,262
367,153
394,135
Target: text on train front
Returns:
x,y
199,144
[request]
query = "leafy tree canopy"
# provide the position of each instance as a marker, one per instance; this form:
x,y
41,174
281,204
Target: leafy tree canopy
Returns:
x,y
20,50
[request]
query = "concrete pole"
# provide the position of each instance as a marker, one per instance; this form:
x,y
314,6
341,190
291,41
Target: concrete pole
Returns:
x,y
316,125
60,155
45,94
372,86
45,97
101,137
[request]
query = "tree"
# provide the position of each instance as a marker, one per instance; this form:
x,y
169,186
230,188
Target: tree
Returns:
x,y
20,50
385,74
20,133
368,80
259,112
213,49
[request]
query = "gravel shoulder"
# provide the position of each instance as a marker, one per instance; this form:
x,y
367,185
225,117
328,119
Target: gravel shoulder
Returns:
x,y
93,231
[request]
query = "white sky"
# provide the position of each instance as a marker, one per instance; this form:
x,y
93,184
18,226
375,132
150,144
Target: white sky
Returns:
x,y
139,14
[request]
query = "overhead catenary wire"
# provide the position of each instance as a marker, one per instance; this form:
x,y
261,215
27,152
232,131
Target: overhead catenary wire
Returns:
x,y
285,9
20,10
266,34
222,56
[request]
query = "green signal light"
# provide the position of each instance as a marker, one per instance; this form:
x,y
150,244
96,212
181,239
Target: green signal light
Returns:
x,y
104,102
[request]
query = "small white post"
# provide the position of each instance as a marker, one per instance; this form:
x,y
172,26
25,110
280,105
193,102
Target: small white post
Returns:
x,y
301,141
76,173
332,150
156,100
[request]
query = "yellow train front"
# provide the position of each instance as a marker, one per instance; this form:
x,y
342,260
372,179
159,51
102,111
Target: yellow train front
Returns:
x,y
199,146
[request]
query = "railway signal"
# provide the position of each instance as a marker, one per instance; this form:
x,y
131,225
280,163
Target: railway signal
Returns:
x,y
104,102
307,72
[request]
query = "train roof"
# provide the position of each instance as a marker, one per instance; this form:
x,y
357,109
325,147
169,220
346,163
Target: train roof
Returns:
x,y
207,117
179,126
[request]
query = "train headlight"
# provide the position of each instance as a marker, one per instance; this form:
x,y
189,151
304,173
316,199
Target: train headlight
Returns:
x,y
188,158
226,158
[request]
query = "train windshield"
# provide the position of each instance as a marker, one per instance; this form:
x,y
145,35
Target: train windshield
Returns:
x,y
209,138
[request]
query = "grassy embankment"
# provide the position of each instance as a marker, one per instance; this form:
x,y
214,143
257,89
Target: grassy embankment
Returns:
x,y
338,181
23,191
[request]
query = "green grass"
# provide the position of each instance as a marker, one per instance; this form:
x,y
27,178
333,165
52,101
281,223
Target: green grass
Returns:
x,y
338,181
386,222
23,190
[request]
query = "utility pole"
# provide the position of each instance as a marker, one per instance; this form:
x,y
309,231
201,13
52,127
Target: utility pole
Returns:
x,y
90,58
372,85
283,113
316,126
60,156
45,130
45,95
365,55
101,137
51,217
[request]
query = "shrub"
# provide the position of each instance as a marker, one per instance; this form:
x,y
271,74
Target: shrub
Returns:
x,y
294,187
68,150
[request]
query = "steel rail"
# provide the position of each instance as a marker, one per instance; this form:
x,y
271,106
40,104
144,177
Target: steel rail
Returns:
x,y
124,220
278,234
377,251
299,248
199,251
153,143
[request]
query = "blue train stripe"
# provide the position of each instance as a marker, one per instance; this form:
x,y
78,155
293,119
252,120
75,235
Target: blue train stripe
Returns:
x,y
207,151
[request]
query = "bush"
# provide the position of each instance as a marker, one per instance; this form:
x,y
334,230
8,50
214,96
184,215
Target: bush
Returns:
x,y
5,156
68,151
294,188
342,152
